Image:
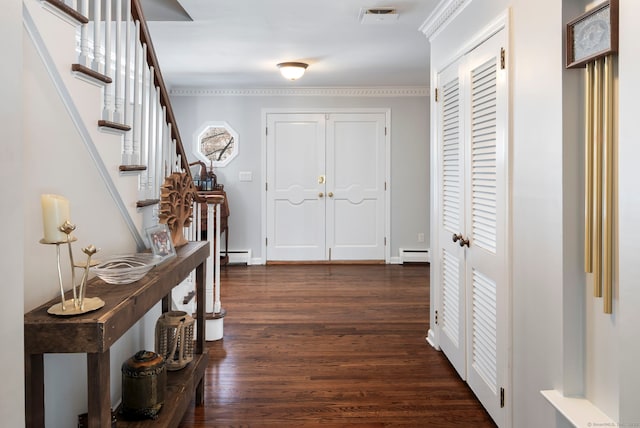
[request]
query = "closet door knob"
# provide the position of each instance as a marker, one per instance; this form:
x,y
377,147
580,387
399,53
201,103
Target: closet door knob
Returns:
x,y
464,242
321,195
456,237
330,194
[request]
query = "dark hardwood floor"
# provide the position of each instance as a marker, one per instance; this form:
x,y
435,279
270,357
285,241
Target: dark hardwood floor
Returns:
x,y
330,346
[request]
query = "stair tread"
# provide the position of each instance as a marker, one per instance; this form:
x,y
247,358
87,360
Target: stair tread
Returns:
x,y
114,125
79,68
147,202
129,168
58,4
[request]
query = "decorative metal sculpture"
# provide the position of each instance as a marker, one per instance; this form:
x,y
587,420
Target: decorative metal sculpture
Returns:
x,y
57,231
176,205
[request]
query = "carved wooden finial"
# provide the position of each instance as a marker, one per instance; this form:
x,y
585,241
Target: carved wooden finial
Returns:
x,y
176,205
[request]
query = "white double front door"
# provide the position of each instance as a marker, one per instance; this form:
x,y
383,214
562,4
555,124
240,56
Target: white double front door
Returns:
x,y
325,186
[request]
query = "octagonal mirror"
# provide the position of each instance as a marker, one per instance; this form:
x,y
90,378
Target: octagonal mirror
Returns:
x,y
216,143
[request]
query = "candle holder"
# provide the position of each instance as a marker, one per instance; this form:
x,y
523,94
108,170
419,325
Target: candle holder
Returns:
x,y
78,304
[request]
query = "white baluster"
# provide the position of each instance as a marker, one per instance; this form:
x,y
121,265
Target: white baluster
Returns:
x,y
144,115
162,114
217,307
151,146
209,288
118,112
166,153
128,62
85,50
98,57
137,77
107,111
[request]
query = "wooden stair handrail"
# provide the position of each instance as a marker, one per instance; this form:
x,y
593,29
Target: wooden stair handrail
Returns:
x,y
152,59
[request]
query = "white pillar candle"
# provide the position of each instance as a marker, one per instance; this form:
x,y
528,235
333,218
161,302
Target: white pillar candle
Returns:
x,y
55,211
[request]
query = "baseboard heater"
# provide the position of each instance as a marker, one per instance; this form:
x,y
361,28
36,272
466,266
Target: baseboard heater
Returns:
x,y
414,256
239,257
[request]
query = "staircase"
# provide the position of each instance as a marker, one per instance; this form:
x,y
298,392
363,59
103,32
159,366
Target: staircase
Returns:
x,y
105,69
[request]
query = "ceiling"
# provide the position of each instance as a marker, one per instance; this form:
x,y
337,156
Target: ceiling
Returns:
x,y
236,44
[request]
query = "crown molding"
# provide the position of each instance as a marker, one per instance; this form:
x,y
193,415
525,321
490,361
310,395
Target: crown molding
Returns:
x,y
407,91
442,14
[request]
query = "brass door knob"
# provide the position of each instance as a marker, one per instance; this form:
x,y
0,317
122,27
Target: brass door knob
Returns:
x,y
321,195
330,194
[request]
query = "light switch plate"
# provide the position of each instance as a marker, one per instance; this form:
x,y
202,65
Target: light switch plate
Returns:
x,y
245,176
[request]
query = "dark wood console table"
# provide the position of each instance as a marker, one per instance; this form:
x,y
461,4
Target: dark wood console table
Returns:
x,y
95,332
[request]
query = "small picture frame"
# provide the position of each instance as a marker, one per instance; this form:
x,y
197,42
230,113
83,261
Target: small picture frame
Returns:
x,y
160,241
593,35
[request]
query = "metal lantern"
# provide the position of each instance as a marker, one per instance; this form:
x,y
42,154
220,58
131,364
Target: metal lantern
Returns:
x,y
174,339
144,381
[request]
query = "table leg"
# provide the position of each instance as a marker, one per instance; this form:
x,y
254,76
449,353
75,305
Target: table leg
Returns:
x,y
34,390
98,390
200,330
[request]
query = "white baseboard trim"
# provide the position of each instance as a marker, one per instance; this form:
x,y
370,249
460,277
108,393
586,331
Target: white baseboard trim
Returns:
x,y
414,256
431,340
395,261
238,257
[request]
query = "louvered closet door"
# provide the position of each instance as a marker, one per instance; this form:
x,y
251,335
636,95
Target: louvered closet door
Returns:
x,y
451,317
486,223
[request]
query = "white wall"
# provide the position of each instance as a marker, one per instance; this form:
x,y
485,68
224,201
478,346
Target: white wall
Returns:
x,y
409,158
537,196
11,217
628,292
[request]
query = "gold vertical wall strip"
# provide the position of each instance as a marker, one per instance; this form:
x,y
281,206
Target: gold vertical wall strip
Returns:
x,y
597,177
608,186
588,169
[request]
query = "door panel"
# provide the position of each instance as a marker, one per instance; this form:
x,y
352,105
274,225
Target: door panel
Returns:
x,y
295,209
486,225
452,262
355,179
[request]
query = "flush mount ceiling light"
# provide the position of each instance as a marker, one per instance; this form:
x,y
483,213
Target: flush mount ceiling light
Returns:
x,y
292,70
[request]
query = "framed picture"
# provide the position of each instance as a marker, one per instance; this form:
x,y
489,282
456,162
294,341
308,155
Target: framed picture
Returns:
x,y
160,241
593,35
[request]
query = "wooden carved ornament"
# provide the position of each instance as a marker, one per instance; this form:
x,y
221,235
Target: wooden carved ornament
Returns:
x,y
176,205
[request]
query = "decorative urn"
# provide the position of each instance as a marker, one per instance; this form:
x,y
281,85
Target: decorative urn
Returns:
x,y
144,380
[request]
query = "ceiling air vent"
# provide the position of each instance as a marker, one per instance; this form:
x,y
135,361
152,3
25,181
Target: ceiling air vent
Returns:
x,y
379,15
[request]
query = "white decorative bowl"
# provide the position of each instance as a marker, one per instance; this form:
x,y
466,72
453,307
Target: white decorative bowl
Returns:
x,y
126,269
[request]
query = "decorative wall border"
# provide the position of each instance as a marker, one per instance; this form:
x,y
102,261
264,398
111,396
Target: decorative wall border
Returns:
x,y
409,91
442,14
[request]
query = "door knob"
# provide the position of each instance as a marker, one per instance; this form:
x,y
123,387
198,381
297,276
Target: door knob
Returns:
x,y
456,237
320,195
321,179
464,242
330,194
